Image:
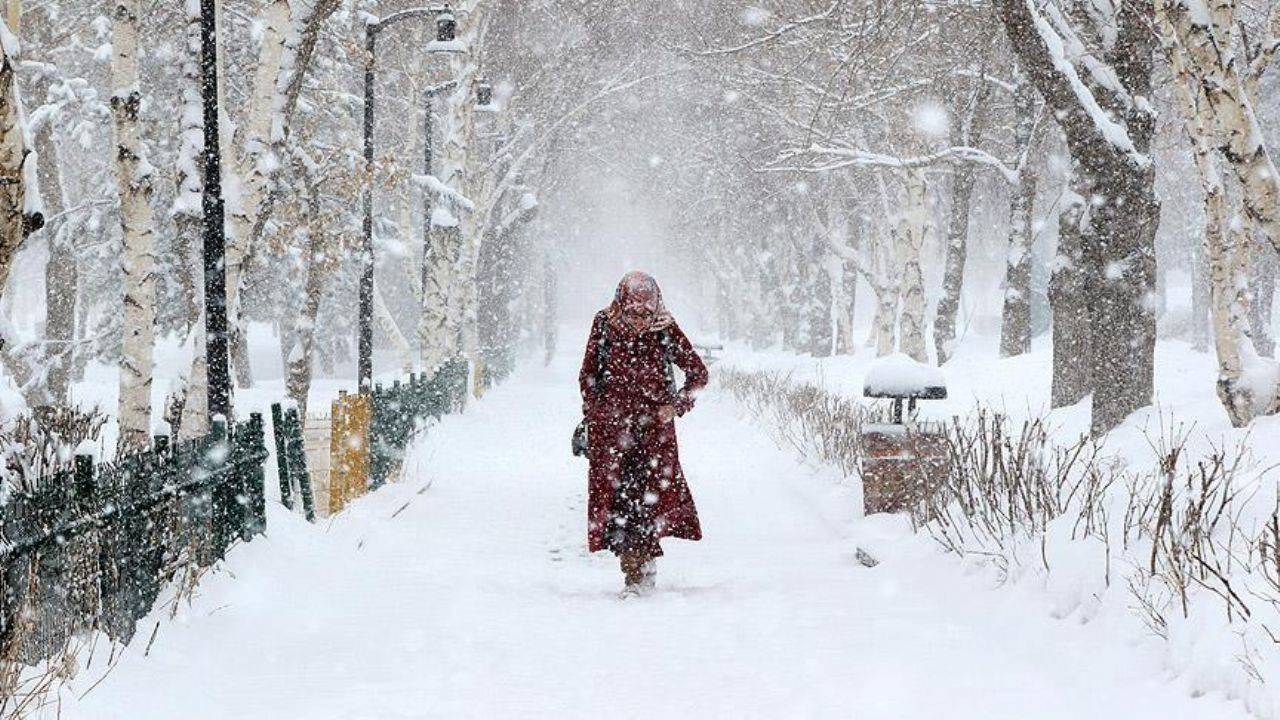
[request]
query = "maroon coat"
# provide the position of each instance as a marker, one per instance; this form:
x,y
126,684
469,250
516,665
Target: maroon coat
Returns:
x,y
624,427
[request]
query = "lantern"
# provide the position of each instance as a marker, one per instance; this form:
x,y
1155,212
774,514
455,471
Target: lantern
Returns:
x,y
446,25
484,93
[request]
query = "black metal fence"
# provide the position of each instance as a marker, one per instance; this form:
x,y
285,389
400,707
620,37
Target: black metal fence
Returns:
x,y
404,407
91,547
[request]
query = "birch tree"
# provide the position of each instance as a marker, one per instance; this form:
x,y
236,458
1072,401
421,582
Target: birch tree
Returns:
x,y
19,197
1214,96
134,177
911,237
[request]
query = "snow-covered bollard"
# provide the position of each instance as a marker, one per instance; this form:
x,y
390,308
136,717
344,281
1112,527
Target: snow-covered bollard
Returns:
x,y
902,459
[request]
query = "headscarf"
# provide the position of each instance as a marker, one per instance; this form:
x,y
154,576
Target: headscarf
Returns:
x,y
638,287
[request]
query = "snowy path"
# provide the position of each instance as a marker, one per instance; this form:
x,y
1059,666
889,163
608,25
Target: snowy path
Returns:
x,y
478,600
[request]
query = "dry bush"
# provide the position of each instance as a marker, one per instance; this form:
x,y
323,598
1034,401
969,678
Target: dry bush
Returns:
x,y
818,424
1004,486
43,441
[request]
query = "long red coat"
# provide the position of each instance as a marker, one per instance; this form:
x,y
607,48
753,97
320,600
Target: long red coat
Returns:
x,y
624,426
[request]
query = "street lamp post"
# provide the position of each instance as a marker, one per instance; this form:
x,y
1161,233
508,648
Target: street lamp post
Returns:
x,y
212,208
445,32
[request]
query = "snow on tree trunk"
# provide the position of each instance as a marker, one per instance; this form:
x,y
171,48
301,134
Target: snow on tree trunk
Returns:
x,y
1069,294
286,51
915,224
134,177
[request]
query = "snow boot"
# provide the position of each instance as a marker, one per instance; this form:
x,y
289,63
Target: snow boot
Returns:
x,y
649,575
632,571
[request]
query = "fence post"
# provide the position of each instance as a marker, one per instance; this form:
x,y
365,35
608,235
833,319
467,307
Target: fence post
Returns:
x,y
376,437
296,457
250,454
282,463
84,591
217,457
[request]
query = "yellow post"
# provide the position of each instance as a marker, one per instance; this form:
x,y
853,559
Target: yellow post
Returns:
x,y
477,378
349,449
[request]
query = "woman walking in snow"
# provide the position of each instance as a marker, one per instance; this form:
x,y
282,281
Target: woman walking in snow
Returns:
x,y
636,490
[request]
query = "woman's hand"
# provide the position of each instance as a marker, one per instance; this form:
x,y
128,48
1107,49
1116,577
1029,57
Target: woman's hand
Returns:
x,y
666,413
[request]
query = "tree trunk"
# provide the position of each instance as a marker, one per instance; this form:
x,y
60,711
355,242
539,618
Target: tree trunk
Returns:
x,y
189,225
1228,249
884,282
1015,326
944,322
134,179
1118,177
1069,294
60,276
13,168
1212,61
821,302
301,356
915,227
195,408
549,314
447,322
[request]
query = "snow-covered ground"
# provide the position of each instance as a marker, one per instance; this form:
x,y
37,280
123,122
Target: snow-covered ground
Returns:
x,y
464,590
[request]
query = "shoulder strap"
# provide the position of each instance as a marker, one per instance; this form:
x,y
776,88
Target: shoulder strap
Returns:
x,y
667,369
602,356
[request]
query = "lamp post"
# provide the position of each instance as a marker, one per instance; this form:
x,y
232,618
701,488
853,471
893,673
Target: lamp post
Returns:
x,y
215,270
446,28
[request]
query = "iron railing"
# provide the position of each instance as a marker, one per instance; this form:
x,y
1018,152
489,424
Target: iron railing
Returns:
x,y
91,547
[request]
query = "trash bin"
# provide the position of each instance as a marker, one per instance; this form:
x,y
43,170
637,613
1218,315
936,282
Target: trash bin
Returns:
x,y
903,459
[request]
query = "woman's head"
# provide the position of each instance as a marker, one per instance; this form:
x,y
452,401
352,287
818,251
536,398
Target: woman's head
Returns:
x,y
637,302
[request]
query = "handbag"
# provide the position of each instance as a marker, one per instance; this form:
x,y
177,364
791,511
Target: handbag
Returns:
x,y
580,439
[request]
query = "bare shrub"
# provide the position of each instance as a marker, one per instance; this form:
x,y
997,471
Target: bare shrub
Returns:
x,y
43,441
818,424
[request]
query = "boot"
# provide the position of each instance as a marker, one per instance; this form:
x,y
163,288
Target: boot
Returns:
x,y
632,571
649,574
